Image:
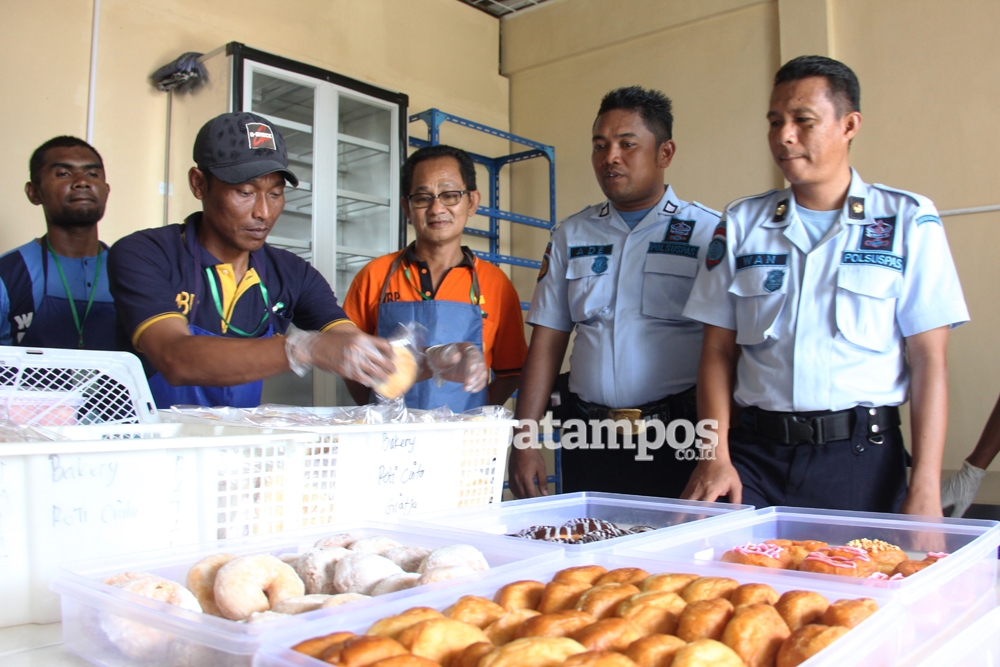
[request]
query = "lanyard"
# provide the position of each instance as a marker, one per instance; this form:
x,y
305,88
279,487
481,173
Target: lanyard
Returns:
x,y
424,297
69,294
218,306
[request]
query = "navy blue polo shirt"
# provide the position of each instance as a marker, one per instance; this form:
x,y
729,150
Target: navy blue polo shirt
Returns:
x,y
153,277
23,286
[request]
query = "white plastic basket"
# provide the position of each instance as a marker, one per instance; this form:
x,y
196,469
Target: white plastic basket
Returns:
x,y
54,387
112,489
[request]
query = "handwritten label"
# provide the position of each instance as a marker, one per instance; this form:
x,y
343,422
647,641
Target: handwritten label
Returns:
x,y
80,469
392,442
402,505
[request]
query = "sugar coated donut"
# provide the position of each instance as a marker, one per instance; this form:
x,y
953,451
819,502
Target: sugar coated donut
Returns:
x,y
377,545
254,583
396,582
201,581
316,569
133,638
455,554
359,573
405,375
340,540
407,558
436,574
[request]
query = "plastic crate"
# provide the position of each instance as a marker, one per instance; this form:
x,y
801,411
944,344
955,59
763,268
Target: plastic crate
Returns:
x,y
400,470
54,387
875,641
663,514
933,598
200,639
111,489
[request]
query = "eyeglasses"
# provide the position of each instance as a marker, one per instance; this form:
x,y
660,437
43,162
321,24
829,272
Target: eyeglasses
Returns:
x,y
424,200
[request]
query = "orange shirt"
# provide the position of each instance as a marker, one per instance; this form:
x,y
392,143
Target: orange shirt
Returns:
x,y
503,326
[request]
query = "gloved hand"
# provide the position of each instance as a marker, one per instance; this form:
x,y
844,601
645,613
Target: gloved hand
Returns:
x,y
458,362
960,489
344,350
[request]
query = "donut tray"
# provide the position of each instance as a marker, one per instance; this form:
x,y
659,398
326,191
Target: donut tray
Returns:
x,y
874,642
932,598
664,515
188,638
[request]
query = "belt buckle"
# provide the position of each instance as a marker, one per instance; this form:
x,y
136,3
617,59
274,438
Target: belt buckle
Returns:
x,y
631,414
800,430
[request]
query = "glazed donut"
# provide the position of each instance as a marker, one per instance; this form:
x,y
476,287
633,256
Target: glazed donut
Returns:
x,y
397,582
444,574
359,573
588,574
505,628
440,639
374,545
806,642
704,619
885,556
609,634
392,626
405,375
798,549
707,653
755,633
601,601
363,651
317,645
908,568
655,612
455,555
761,555
752,594
254,583
559,595
316,569
475,610
669,582
708,588
799,608
520,595
598,659
201,581
407,558
340,540
556,624
655,650
848,613
623,575
843,561
138,640
532,652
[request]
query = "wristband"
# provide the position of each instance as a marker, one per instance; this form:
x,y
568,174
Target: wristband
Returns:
x,y
298,349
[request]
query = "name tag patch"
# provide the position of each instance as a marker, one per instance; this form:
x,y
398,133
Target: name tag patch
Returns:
x,y
590,250
883,259
761,259
879,235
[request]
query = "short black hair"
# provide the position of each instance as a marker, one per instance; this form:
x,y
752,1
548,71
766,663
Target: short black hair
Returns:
x,y
38,157
654,107
466,166
845,91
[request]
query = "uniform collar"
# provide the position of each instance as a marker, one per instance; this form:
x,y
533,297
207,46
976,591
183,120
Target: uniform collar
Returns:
x,y
410,255
668,205
856,210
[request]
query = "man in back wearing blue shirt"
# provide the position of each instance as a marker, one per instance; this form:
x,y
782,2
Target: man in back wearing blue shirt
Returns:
x,y
54,289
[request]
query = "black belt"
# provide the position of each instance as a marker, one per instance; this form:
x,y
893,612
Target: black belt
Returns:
x,y
817,428
664,410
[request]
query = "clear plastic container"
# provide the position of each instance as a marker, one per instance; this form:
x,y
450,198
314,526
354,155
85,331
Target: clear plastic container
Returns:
x,y
977,645
662,514
175,637
873,642
933,598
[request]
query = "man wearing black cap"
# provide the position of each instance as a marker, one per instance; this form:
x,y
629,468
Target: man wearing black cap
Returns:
x,y
206,304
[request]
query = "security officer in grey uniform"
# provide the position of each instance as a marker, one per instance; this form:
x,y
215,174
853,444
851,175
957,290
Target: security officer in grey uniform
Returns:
x,y
619,274
825,305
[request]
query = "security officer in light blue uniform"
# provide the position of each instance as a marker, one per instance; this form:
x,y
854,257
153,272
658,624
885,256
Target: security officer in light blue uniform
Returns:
x,y
619,274
829,303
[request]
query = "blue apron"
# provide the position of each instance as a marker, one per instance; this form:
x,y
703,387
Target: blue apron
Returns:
x,y
237,396
53,321
446,322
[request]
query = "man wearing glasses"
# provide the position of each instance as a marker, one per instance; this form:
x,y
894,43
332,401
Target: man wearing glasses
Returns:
x,y
467,305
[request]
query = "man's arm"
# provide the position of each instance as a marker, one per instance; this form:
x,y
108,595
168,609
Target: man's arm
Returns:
x,y
927,357
716,377
545,357
501,389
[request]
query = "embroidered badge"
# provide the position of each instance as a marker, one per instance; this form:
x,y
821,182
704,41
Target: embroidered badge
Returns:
x,y
856,208
883,259
717,248
260,136
878,235
670,207
774,280
781,210
673,248
604,211
928,218
543,271
679,230
600,264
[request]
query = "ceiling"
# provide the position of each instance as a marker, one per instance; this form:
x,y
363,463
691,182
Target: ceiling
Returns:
x,y
500,8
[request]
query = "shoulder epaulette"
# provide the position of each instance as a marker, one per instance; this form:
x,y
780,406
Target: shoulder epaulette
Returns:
x,y
706,209
919,199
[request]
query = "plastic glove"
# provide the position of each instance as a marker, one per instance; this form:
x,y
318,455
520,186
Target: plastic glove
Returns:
x,y
458,362
960,489
344,350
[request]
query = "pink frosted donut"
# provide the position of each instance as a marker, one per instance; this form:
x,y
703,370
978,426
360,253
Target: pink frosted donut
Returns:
x,y
254,583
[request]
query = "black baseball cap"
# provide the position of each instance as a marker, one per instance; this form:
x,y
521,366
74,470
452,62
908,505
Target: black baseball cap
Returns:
x,y
240,146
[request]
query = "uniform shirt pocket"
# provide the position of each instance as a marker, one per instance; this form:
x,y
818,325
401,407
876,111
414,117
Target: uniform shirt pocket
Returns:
x,y
588,291
666,284
761,295
866,305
